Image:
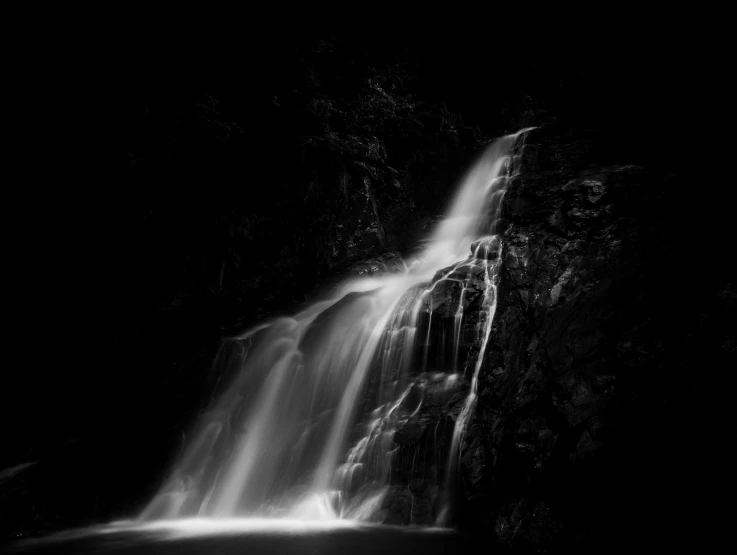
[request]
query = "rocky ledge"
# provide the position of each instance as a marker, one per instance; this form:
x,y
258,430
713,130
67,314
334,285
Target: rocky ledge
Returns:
x,y
591,428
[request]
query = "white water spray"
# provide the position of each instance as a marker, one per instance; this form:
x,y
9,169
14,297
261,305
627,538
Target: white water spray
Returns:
x,y
276,443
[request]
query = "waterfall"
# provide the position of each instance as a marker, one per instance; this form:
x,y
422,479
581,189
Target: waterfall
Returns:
x,y
304,425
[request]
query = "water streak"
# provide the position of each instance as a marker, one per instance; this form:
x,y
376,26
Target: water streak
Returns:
x,y
304,425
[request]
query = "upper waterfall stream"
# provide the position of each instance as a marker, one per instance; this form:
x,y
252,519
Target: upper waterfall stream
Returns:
x,y
304,428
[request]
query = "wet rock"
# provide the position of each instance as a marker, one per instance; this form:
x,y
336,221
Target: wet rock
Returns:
x,y
410,432
486,248
388,262
577,355
576,364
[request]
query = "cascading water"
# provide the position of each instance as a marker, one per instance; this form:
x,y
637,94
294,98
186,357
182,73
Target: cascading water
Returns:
x,y
305,426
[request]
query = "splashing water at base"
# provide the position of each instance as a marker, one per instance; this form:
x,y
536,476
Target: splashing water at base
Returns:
x,y
276,442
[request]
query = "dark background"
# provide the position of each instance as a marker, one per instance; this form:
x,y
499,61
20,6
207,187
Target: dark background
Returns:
x,y
198,192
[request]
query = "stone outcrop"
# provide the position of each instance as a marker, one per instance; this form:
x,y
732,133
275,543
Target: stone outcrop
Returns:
x,y
596,355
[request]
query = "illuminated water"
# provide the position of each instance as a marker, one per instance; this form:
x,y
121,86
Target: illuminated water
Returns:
x,y
239,536
292,435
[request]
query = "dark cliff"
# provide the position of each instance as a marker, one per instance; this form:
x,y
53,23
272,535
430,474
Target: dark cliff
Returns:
x,y
597,424
597,417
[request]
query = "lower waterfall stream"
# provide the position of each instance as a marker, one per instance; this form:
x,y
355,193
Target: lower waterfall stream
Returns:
x,y
304,425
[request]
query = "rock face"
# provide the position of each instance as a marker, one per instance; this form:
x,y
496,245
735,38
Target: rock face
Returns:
x,y
598,346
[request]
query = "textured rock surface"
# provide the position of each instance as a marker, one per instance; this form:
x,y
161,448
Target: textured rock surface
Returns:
x,y
593,421
596,357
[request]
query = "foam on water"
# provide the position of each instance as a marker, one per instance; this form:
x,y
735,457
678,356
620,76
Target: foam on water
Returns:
x,y
277,445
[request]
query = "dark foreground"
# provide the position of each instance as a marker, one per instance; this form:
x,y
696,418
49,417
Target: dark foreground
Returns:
x,y
256,538
351,541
